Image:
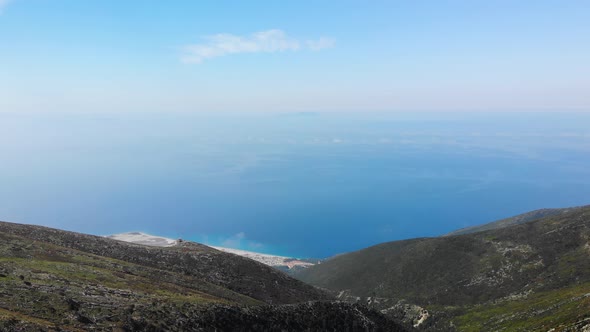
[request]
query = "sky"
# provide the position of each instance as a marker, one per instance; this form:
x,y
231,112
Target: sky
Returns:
x,y
290,56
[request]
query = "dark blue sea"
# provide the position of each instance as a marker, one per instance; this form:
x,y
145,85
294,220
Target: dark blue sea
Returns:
x,y
302,184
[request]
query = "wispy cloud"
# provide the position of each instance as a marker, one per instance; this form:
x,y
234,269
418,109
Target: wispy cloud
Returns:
x,y
269,41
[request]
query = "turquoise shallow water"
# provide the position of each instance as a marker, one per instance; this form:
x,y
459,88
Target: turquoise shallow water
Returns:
x,y
303,184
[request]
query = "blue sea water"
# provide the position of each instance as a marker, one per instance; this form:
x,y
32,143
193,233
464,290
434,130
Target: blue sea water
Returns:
x,y
301,184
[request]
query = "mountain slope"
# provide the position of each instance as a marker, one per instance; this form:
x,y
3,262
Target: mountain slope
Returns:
x,y
196,260
516,220
50,285
56,280
466,271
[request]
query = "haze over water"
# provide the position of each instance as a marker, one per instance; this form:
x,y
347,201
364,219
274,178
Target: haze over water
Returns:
x,y
302,184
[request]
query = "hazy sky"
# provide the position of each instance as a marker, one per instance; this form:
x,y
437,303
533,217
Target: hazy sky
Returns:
x,y
137,55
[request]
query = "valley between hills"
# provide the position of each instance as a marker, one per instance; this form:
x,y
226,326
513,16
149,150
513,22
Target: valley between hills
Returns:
x,y
525,273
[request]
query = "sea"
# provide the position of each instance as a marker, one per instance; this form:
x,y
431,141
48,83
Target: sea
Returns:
x,y
301,184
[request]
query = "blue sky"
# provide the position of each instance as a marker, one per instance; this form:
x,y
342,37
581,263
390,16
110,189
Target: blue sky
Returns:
x,y
271,56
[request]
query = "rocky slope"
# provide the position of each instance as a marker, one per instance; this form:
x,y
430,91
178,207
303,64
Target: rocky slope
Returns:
x,y
56,280
233,272
535,274
516,220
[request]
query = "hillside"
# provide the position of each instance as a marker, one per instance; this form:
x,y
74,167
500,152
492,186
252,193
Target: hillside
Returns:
x,y
57,280
196,260
534,275
516,220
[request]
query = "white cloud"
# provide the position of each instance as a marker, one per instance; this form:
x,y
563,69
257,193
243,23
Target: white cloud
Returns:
x,y
269,41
